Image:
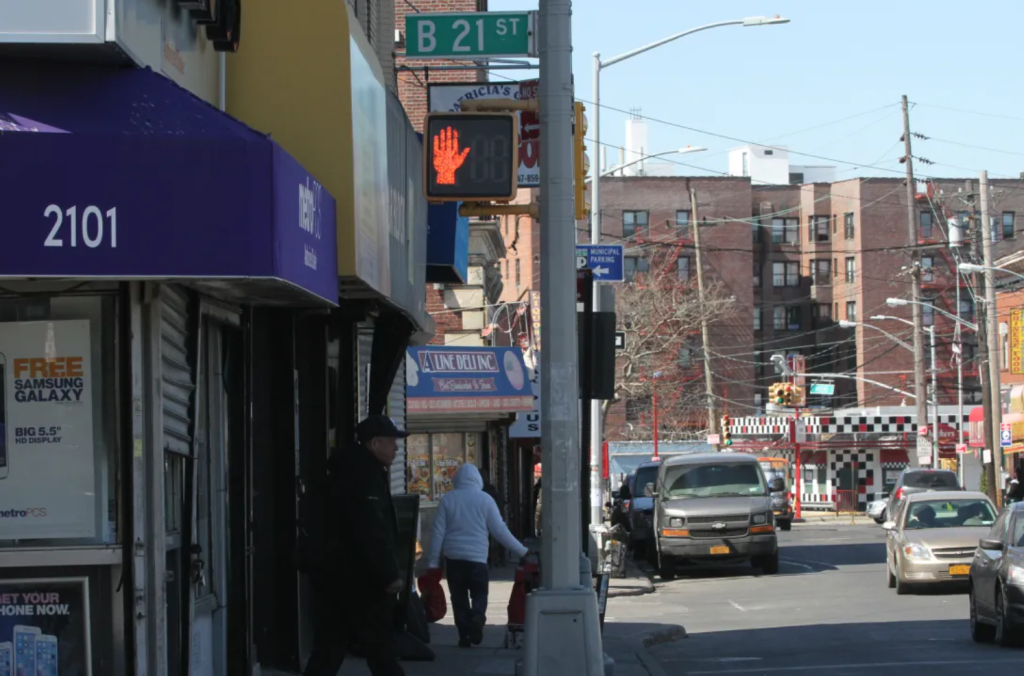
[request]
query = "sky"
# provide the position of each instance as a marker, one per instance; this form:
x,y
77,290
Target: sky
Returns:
x,y
827,84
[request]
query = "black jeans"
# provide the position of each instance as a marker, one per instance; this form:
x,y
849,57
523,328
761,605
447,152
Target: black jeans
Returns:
x,y
342,617
468,582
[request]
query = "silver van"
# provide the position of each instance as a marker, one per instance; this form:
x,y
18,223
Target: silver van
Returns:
x,y
714,507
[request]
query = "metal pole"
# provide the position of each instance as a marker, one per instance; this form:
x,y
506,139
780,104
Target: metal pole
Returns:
x,y
560,460
796,454
982,329
596,409
992,335
935,400
912,239
709,379
959,388
654,403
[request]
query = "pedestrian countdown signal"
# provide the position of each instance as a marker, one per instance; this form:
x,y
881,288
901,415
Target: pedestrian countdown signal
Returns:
x,y
471,157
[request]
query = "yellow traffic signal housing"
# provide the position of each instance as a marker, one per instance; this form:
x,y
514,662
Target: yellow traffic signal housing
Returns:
x,y
775,393
581,162
470,157
726,430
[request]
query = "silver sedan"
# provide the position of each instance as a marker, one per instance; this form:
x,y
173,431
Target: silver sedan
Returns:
x,y
876,509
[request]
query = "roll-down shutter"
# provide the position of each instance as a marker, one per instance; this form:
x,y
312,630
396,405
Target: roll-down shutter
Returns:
x,y
396,409
364,349
178,381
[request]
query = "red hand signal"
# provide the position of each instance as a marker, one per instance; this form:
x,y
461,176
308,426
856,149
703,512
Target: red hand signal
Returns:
x,y
447,157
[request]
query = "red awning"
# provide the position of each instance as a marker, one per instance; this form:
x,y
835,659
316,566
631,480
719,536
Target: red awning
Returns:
x,y
976,427
893,456
977,414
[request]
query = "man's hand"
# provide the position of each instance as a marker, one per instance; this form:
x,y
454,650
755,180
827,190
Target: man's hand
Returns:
x,y
394,587
447,157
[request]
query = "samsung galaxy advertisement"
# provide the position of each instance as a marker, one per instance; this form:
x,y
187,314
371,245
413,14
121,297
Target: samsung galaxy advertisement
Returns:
x,y
44,627
47,476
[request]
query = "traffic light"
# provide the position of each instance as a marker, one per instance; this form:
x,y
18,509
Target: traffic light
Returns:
x,y
726,431
581,162
775,393
470,157
787,394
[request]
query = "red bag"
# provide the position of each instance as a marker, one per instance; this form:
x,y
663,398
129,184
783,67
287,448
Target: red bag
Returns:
x,y
434,603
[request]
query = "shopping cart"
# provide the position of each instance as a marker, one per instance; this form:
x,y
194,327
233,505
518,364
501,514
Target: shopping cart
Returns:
x,y
526,580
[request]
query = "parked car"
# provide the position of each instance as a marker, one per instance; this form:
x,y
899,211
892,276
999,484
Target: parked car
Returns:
x,y
714,507
997,581
933,537
782,506
915,480
876,508
641,506
620,504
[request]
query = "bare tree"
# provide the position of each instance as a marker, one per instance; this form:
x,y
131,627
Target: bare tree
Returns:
x,y
661,315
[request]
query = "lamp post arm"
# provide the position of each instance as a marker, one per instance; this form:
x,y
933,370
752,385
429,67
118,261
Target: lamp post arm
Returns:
x,y
646,48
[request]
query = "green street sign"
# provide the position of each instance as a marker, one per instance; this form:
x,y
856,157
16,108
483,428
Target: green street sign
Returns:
x,y
469,34
824,389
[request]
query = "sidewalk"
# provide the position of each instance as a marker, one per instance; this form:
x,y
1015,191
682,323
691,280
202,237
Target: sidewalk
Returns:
x,y
830,517
624,641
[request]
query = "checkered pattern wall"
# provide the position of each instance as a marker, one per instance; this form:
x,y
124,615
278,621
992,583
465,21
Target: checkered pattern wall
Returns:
x,y
879,424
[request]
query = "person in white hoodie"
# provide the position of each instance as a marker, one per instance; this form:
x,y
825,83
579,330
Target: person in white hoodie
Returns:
x,y
465,518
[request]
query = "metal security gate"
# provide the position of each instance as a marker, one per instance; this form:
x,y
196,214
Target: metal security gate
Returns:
x,y
364,351
396,410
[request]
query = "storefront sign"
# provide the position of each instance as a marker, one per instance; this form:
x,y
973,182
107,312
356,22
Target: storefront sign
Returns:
x,y
535,318
445,97
45,627
527,424
48,487
467,380
187,193
1017,341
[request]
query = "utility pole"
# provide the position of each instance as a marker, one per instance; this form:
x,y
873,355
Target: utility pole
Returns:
x,y
992,338
596,405
709,378
920,397
563,633
935,398
982,336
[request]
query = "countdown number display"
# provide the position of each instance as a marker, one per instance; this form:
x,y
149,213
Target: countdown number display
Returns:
x,y
471,156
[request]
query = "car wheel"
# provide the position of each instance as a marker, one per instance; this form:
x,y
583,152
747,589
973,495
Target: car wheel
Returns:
x,y
769,565
890,579
666,568
980,632
902,588
1007,634
786,525
879,520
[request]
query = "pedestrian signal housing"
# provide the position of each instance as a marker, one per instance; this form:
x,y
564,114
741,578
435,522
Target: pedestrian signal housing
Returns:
x,y
470,157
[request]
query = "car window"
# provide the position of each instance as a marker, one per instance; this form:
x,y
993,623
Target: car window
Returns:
x,y
715,480
971,512
998,528
644,476
1018,530
930,480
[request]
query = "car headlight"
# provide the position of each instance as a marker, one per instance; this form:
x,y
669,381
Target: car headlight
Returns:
x,y
1015,576
916,551
675,522
757,519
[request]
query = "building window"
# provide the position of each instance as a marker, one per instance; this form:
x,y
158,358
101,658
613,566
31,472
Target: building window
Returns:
x,y
927,313
785,274
793,318
757,318
635,408
682,222
818,229
778,274
432,460
796,178
757,274
634,222
848,225
851,310
850,269
685,357
755,231
822,314
633,265
926,224
683,268
779,317
1008,225
785,230
927,268
517,273
967,308
822,273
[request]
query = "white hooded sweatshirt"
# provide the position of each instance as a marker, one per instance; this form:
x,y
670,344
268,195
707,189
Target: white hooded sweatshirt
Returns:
x,y
464,519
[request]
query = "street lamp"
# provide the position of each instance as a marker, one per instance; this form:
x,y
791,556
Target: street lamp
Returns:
x,y
902,302
678,151
845,324
595,219
973,267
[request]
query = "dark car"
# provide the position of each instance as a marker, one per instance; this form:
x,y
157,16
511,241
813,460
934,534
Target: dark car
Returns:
x,y
641,507
620,504
914,480
997,581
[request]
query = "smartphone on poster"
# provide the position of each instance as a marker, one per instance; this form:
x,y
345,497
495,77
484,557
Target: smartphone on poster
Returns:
x,y
4,457
46,655
25,650
6,650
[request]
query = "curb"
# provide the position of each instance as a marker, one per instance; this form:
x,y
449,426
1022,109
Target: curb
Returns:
x,y
669,634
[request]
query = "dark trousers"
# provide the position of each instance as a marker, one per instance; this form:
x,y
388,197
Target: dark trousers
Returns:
x,y
342,618
468,582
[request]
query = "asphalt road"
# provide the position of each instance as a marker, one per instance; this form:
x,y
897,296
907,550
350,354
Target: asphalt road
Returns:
x,y
828,611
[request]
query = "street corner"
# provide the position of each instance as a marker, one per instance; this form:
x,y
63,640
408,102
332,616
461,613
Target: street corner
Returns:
x,y
636,583
666,634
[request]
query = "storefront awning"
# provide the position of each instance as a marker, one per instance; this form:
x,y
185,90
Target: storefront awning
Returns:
x,y
462,380
119,173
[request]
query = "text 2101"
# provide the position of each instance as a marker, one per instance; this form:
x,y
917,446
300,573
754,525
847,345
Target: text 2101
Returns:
x,y
93,227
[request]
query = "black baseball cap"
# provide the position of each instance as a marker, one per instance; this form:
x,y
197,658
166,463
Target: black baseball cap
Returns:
x,y
378,426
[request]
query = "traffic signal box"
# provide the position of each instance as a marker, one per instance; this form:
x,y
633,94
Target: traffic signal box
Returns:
x,y
471,157
581,162
726,430
786,394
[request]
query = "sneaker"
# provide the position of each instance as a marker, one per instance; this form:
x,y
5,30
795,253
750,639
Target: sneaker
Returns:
x,y
464,643
476,630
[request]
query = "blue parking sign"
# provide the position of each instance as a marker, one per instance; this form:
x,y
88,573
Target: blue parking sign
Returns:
x,y
604,260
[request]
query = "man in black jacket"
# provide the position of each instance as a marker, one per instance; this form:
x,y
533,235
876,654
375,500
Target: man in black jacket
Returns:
x,y
357,586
